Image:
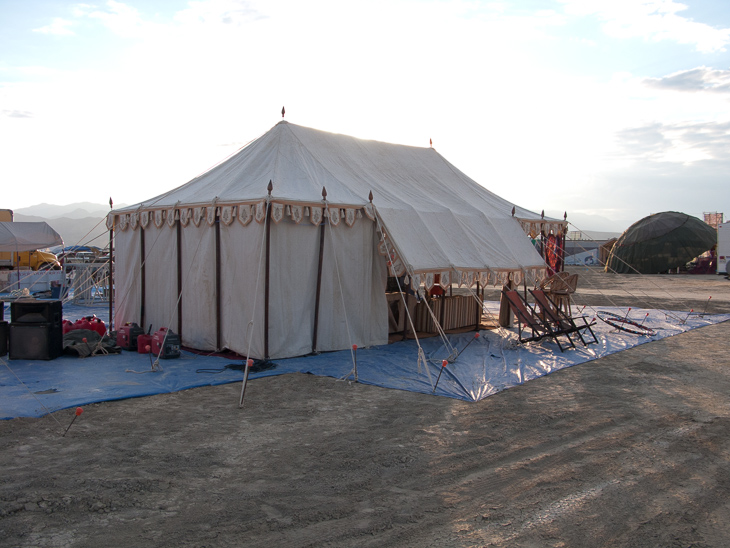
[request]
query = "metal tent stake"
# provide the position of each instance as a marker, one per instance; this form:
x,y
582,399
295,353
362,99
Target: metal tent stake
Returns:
x,y
443,366
249,363
79,410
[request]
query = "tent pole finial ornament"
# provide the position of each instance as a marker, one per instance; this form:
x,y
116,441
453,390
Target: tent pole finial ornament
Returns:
x,y
270,187
513,211
111,204
370,196
283,111
324,194
430,143
565,216
542,214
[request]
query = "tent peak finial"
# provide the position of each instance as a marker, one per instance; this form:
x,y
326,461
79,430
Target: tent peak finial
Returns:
x,y
513,211
370,196
283,111
430,143
270,187
324,194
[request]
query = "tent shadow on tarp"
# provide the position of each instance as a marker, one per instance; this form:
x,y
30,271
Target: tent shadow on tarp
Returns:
x,y
489,364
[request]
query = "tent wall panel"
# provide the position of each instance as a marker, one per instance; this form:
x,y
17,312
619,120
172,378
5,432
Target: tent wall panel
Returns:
x,y
160,278
128,282
242,261
198,295
293,285
356,298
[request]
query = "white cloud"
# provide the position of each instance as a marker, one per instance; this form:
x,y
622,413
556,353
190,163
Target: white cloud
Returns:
x,y
120,18
59,27
187,93
694,80
652,19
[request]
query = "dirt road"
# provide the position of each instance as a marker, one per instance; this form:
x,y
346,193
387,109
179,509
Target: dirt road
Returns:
x,y
630,450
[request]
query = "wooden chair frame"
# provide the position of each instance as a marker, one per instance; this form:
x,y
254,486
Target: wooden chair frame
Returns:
x,y
561,321
527,316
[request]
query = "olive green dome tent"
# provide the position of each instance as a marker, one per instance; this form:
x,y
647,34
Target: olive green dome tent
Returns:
x,y
660,242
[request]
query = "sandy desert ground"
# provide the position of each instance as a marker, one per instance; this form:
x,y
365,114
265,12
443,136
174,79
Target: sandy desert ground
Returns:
x,y
631,450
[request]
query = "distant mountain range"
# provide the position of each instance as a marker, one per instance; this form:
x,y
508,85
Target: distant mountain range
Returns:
x,y
79,210
82,223
592,223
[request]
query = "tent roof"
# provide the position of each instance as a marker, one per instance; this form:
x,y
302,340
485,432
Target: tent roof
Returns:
x,y
21,236
436,216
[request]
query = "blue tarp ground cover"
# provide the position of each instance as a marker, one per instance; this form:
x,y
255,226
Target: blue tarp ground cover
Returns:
x,y
486,365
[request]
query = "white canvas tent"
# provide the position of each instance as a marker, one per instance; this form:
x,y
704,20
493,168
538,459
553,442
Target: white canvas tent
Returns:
x,y
22,236
291,271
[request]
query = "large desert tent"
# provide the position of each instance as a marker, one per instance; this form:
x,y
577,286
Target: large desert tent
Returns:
x,y
285,248
660,242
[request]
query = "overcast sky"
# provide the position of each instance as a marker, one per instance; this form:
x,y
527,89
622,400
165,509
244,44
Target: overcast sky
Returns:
x,y
616,108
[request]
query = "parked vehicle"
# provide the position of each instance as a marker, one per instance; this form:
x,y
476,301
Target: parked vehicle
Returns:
x,y
35,260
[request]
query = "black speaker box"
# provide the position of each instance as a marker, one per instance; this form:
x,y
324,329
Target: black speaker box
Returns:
x,y
3,338
33,311
35,341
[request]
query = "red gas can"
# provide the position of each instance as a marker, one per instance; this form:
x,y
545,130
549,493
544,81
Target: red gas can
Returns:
x,y
67,326
97,324
144,343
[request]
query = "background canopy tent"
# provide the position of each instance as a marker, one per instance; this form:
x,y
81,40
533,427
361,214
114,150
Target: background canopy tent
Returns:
x,y
17,236
660,242
303,267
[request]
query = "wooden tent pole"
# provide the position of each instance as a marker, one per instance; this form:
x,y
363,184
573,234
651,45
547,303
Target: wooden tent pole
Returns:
x,y
111,270
319,275
218,299
179,278
143,290
479,309
266,275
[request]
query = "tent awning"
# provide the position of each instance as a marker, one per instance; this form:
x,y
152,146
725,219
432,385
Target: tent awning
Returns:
x,y
20,236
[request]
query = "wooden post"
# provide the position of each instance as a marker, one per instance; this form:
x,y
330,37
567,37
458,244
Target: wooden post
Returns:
x,y
218,323
505,313
143,290
319,275
111,270
479,308
179,279
266,275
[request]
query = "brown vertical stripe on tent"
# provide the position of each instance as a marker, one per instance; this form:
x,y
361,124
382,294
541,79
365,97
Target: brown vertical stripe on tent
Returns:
x,y
111,276
266,279
179,278
217,284
319,285
143,296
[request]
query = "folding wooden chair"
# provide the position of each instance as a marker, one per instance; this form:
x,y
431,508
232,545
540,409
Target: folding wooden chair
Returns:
x,y
559,287
527,317
554,316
